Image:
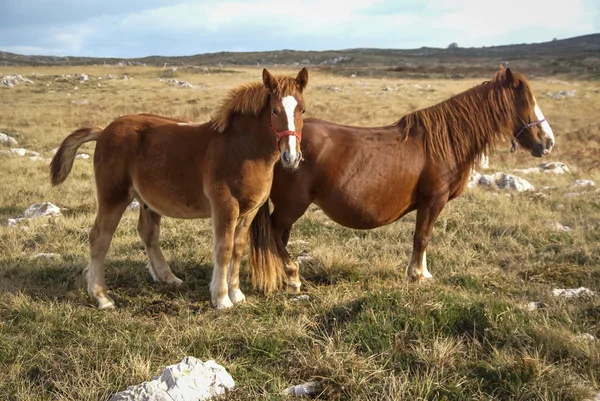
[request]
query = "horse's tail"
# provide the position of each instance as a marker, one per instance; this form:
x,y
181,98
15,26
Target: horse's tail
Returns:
x,y
266,266
62,162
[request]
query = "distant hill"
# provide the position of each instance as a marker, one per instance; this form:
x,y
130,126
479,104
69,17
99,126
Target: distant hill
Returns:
x,y
578,55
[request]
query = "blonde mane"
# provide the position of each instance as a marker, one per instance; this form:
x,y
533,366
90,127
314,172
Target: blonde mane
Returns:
x,y
250,99
472,122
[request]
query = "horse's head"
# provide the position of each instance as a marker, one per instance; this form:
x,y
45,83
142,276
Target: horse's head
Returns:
x,y
287,108
531,129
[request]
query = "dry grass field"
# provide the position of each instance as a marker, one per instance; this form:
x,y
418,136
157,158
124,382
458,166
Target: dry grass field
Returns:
x,y
364,333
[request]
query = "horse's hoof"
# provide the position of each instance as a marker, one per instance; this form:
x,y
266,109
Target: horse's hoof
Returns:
x,y
236,296
175,281
223,303
106,303
427,275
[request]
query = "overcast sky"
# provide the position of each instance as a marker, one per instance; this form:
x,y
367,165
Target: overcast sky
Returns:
x,y
137,28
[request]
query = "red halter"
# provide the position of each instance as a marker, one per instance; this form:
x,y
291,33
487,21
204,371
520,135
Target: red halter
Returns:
x,y
283,134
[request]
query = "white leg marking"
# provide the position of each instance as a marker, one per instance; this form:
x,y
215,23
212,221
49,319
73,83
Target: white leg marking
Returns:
x,y
545,126
236,295
182,124
426,273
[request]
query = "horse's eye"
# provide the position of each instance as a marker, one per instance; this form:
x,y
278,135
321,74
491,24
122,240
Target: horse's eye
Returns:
x,y
275,111
303,111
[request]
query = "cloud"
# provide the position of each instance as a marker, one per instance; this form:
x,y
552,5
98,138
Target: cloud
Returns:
x,y
139,28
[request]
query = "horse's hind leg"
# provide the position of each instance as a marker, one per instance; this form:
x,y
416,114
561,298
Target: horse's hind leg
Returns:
x,y
149,230
282,221
107,219
427,214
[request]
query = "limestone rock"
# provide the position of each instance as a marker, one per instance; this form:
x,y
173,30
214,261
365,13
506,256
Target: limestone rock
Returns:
x,y
548,167
302,390
572,292
189,380
7,140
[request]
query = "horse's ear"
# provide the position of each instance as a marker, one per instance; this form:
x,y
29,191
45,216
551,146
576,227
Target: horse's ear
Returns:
x,y
269,80
511,81
302,79
502,68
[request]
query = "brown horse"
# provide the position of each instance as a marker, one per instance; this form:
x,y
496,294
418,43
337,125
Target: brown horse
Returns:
x,y
365,178
221,169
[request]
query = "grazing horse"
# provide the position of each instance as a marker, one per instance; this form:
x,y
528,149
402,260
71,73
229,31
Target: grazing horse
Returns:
x,y
221,169
365,178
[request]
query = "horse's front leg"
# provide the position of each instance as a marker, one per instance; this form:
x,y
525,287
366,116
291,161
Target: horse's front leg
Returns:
x,y
239,245
427,214
224,218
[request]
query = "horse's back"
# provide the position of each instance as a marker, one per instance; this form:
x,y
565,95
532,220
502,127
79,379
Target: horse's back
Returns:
x,y
156,159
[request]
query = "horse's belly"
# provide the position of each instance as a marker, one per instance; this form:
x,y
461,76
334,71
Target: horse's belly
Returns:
x,y
362,217
176,203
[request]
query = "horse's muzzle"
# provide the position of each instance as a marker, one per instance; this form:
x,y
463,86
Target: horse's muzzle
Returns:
x,y
290,162
539,150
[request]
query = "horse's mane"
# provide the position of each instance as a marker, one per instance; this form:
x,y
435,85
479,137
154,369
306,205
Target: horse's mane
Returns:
x,y
250,99
473,122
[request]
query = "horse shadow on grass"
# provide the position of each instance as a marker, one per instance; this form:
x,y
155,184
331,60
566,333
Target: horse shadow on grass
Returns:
x,y
316,272
129,283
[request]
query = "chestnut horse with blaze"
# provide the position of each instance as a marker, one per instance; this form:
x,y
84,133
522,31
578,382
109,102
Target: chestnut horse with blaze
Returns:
x,y
365,178
222,169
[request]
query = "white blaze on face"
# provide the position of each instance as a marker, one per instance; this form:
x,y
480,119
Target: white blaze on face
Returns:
x,y
289,105
545,127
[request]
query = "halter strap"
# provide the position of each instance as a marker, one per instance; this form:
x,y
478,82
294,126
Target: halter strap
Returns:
x,y
280,135
513,146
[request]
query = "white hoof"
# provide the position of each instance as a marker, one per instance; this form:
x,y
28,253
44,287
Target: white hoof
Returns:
x,y
174,281
237,296
105,303
427,275
223,303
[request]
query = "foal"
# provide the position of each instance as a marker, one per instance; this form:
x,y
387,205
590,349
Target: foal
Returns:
x,y
221,169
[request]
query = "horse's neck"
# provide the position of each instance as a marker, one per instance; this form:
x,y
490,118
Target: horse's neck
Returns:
x,y
254,137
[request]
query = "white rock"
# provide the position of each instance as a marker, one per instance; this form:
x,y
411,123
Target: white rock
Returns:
x,y
83,77
12,80
83,156
571,292
134,206
23,152
190,380
45,255
583,184
298,298
505,181
41,210
302,390
585,337
8,140
40,159
561,94
557,226
304,259
548,167
532,306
